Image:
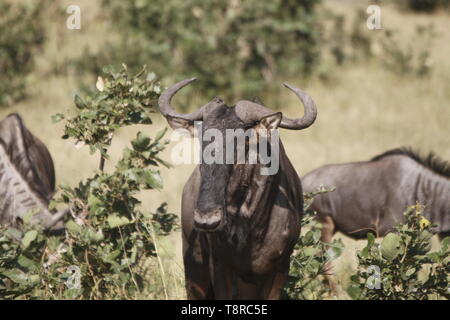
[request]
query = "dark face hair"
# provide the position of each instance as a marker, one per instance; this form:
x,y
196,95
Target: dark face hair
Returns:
x,y
224,185
215,176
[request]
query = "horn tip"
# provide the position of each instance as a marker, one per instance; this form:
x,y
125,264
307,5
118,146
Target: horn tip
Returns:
x,y
290,87
295,89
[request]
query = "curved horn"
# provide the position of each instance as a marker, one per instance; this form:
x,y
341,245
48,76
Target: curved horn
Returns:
x,y
166,97
250,111
310,111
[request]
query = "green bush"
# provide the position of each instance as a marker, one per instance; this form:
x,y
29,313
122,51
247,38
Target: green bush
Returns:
x,y
413,58
21,33
126,50
108,238
424,5
22,258
234,47
310,257
403,267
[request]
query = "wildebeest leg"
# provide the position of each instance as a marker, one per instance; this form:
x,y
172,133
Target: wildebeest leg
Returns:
x,y
196,268
274,287
328,230
222,281
443,235
248,291
270,288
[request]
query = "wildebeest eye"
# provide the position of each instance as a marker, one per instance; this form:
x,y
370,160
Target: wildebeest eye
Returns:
x,y
249,125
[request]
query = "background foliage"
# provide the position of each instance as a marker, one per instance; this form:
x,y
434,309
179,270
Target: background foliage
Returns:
x,y
408,268
365,105
108,237
243,49
424,5
310,258
21,34
234,47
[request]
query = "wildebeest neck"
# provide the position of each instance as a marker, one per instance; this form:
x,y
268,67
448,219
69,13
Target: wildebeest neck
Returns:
x,y
433,191
27,176
17,198
248,206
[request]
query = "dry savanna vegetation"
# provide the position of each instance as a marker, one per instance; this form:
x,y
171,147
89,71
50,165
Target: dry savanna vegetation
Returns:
x,y
366,105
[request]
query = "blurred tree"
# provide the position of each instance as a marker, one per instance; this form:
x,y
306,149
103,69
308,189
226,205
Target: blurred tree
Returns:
x,y
21,32
235,47
423,5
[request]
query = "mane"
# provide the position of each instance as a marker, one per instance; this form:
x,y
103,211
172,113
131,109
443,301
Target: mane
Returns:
x,y
431,161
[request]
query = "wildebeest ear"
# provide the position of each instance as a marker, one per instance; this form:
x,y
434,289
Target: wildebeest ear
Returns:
x,y
181,124
271,121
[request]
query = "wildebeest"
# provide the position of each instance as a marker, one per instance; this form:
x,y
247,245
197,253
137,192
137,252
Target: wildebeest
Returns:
x,y
239,227
371,196
27,177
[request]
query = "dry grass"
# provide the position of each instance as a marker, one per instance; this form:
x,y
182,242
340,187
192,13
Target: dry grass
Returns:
x,y
363,112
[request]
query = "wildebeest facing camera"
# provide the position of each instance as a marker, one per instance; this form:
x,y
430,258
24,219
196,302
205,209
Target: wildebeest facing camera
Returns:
x,y
135,164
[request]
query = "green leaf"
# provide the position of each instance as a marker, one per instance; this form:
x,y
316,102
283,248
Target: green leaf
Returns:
x,y
13,233
390,247
71,294
92,114
92,149
410,272
79,103
160,134
113,255
95,236
354,291
53,243
29,264
333,252
29,237
445,243
434,256
370,239
66,188
141,142
16,275
425,236
28,216
310,252
57,117
154,180
73,227
94,204
364,253
164,163
115,221
134,252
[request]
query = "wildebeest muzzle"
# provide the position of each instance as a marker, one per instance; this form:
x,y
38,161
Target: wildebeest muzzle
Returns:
x,y
208,221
